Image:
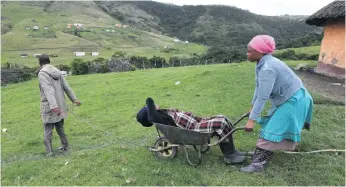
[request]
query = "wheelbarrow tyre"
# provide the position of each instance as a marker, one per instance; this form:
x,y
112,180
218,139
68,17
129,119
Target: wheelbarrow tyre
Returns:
x,y
166,154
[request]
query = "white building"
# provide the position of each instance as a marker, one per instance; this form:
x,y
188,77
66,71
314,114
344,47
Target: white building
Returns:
x,y
176,40
186,42
78,25
23,55
79,53
37,55
35,27
94,53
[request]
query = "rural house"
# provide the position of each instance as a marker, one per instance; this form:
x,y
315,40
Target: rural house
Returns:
x,y
45,28
78,25
27,27
69,26
35,27
37,55
94,53
118,25
331,61
24,55
79,53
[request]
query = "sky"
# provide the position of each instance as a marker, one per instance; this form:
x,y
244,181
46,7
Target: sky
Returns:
x,y
263,7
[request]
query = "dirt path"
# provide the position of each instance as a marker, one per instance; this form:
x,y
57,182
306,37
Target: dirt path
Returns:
x,y
328,87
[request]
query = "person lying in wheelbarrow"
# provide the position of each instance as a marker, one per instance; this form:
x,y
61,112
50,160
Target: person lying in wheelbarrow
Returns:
x,y
219,125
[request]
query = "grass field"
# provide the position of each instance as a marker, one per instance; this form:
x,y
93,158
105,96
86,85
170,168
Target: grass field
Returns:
x,y
114,150
130,40
307,50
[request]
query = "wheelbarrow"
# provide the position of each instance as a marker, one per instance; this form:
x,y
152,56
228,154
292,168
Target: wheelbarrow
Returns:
x,y
166,146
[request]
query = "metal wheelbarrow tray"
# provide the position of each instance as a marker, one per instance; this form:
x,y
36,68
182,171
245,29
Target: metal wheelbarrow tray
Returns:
x,y
166,147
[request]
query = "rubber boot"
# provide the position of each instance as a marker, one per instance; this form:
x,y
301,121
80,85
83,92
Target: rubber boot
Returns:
x,y
259,161
230,154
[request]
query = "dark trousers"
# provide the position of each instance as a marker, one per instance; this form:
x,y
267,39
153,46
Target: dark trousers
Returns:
x,y
48,132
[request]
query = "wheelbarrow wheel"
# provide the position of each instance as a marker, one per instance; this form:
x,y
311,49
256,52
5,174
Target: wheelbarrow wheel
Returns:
x,y
165,154
204,149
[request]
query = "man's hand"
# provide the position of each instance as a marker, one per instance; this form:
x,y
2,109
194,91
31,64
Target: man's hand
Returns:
x,y
77,102
249,125
56,110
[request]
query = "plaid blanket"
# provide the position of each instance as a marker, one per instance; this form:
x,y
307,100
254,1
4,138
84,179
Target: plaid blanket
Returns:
x,y
218,124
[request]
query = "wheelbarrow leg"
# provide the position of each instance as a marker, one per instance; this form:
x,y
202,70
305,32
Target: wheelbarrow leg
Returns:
x,y
188,159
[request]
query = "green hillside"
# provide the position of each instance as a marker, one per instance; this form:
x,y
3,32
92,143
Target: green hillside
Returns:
x,y
103,37
226,26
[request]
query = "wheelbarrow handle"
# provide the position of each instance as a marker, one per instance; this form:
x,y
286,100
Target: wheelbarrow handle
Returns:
x,y
227,135
241,118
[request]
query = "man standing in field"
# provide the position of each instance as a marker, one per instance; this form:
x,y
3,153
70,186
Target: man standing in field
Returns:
x,y
53,105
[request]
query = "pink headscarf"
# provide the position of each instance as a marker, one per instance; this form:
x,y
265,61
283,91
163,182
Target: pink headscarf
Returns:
x,y
264,44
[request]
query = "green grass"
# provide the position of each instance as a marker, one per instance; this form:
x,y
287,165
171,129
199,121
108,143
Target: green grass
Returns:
x,y
110,103
307,50
133,42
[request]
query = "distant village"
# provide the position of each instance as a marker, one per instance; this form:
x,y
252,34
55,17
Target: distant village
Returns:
x,y
80,26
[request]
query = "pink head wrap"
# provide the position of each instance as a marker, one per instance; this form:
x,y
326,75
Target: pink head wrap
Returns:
x,y
263,43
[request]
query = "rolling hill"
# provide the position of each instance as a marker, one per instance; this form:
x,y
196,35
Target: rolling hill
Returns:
x,y
103,36
153,26
210,25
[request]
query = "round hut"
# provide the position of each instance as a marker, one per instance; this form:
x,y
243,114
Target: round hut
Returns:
x,y
331,61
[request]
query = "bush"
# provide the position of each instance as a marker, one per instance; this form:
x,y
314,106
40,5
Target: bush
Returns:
x,y
63,67
157,62
14,73
292,55
139,62
79,67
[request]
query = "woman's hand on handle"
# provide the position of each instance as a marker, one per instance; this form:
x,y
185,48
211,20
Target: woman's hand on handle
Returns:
x,y
249,125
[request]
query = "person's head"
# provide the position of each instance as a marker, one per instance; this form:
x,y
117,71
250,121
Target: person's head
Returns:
x,y
259,46
43,59
142,117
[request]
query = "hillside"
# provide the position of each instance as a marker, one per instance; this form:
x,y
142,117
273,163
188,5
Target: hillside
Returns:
x,y
210,25
220,33
100,35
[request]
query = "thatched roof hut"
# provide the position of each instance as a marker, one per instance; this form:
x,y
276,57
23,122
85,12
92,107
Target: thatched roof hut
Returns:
x,y
332,12
331,61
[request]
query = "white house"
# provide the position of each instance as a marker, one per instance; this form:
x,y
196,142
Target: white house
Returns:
x,y
27,28
45,28
94,53
79,53
186,42
37,55
176,40
78,25
35,27
23,55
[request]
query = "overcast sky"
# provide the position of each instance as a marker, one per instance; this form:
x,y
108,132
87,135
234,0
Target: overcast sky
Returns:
x,y
264,7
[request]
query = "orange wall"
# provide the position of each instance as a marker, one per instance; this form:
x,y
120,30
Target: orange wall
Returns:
x,y
333,45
